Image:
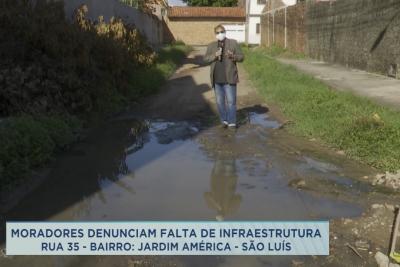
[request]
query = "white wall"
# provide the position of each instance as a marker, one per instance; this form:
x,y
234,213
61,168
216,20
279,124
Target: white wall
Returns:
x,y
253,13
253,36
176,3
289,2
149,26
235,31
255,9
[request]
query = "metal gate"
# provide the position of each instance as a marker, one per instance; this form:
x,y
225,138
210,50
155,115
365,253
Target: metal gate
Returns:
x,y
236,31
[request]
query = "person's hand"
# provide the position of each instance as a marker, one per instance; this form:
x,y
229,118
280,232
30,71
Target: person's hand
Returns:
x,y
218,53
231,55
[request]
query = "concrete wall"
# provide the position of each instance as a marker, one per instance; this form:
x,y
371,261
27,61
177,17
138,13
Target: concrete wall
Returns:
x,y
253,36
196,31
254,11
255,8
286,32
274,4
149,25
363,34
289,2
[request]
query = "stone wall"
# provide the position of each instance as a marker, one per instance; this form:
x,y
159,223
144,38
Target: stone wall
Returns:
x,y
363,34
273,26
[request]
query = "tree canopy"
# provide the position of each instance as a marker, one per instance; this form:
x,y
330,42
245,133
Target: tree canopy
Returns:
x,y
216,3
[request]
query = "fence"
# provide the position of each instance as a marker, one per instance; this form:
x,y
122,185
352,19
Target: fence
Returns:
x,y
285,27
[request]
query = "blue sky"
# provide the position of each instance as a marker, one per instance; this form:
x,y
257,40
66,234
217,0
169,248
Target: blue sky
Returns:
x,y
176,3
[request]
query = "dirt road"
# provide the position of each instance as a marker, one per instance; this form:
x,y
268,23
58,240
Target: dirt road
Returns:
x,y
185,167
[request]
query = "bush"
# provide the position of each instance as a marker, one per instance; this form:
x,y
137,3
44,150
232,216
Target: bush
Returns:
x,y
50,65
27,142
61,129
151,78
53,72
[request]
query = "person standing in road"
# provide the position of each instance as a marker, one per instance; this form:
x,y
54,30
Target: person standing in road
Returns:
x,y
223,55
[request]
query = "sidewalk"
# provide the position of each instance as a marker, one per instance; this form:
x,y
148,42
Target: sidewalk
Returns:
x,y
379,88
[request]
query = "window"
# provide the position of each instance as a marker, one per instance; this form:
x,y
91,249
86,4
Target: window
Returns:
x,y
261,2
258,28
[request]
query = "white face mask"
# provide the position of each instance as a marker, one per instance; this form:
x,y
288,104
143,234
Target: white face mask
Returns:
x,y
221,36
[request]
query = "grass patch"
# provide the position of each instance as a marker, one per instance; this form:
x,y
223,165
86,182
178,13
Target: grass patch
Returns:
x,y
364,130
278,51
148,80
27,142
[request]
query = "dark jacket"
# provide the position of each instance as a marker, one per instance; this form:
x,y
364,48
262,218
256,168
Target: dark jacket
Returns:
x,y
230,65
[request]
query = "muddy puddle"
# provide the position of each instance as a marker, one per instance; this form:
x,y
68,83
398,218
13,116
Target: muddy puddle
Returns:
x,y
187,171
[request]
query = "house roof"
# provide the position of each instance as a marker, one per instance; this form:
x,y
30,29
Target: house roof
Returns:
x,y
206,12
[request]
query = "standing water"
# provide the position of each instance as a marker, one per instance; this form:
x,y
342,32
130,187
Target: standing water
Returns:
x,y
184,170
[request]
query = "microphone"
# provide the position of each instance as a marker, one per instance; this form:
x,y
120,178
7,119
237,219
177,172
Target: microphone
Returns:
x,y
221,49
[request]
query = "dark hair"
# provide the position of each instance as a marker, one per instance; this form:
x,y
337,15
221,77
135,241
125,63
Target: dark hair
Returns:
x,y
219,26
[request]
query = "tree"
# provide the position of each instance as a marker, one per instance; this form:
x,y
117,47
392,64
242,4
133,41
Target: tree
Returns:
x,y
211,2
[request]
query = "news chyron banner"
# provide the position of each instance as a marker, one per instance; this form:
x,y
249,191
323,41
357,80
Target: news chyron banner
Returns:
x,y
168,238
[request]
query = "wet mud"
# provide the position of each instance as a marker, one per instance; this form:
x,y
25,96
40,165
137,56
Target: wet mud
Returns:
x,y
181,165
186,170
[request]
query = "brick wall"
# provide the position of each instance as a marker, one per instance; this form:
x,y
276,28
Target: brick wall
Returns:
x,y
363,34
196,31
273,28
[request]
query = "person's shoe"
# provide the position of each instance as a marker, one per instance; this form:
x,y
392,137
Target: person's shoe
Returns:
x,y
224,124
232,126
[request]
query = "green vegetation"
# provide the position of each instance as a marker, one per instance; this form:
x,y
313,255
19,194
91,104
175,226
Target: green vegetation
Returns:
x,y
27,142
276,50
55,74
150,79
364,130
48,64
